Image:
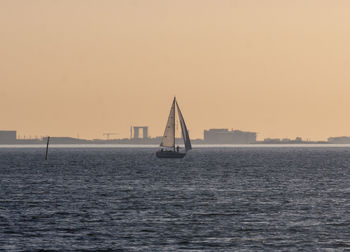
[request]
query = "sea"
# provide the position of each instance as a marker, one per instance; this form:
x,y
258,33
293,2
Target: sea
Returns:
x,y
228,198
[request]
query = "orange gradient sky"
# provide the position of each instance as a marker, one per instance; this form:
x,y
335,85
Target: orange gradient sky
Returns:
x,y
277,67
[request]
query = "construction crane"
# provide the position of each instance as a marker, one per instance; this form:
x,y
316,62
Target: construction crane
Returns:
x,y
109,134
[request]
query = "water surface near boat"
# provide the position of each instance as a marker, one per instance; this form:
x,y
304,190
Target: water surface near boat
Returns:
x,y
215,199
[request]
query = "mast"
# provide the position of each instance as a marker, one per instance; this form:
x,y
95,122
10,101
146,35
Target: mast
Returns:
x,y
174,101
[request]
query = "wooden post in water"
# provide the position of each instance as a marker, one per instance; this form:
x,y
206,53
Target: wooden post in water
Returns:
x,y
47,147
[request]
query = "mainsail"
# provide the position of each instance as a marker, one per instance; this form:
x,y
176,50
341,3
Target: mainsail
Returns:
x,y
184,130
169,133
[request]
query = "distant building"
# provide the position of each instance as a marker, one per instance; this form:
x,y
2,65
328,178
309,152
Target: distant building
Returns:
x,y
339,140
8,136
224,136
298,139
137,132
272,140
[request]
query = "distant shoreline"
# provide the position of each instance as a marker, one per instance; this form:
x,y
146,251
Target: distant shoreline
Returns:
x,y
279,145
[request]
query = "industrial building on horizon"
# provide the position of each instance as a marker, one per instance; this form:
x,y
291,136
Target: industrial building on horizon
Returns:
x,y
225,136
339,140
8,136
136,131
283,140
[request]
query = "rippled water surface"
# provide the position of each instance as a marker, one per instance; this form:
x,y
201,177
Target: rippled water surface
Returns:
x,y
229,199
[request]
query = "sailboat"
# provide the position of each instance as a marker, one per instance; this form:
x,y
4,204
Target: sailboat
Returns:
x,y
168,149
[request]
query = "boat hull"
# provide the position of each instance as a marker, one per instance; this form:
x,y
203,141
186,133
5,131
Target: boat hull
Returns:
x,y
170,154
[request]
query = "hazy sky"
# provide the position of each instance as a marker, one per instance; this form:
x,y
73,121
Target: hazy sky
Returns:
x,y
278,67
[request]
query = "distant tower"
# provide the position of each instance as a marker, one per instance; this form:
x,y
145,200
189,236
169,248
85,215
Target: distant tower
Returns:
x,y
136,132
145,132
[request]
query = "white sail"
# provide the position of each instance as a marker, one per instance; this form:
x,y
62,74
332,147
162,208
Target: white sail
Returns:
x,y
169,133
184,130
